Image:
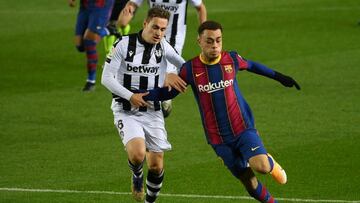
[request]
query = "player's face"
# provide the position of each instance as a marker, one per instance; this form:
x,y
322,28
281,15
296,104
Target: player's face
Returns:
x,y
154,30
210,42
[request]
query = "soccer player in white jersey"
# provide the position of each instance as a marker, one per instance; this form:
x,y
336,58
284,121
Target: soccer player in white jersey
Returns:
x,y
139,62
176,30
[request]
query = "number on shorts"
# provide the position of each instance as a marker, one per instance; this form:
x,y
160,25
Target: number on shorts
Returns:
x,y
120,124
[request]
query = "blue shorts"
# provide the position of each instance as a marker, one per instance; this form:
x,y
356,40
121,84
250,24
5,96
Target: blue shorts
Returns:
x,y
237,153
94,19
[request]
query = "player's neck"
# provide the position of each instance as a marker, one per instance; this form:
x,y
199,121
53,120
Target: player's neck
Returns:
x,y
209,61
142,40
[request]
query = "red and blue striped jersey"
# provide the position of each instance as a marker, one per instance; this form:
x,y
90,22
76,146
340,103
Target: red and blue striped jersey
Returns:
x,y
224,112
96,3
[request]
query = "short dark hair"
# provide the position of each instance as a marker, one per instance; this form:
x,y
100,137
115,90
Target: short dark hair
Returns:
x,y
209,25
157,12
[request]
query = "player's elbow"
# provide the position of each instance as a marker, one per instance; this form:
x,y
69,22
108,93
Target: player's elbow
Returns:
x,y
104,79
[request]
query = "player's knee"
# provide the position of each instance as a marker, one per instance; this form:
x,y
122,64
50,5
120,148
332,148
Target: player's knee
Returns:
x,y
155,166
137,157
155,169
262,166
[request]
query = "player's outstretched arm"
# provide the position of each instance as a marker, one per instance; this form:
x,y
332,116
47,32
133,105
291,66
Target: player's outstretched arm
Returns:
x,y
261,69
202,13
160,94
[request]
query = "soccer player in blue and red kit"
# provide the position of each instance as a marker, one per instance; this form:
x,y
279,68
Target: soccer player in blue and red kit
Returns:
x,y
226,116
92,19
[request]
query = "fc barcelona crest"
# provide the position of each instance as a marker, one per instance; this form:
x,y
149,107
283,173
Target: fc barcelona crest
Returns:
x,y
228,68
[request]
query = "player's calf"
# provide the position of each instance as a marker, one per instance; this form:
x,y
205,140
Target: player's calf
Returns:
x,y
261,194
137,187
153,185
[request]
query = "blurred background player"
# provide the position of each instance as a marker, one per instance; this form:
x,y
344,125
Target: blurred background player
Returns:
x,y
226,117
91,24
110,39
176,30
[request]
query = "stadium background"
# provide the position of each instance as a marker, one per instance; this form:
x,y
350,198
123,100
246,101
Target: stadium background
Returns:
x,y
53,136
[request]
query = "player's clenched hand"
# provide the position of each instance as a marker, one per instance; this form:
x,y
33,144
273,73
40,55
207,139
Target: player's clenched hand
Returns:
x,y
129,9
285,80
71,3
137,99
174,81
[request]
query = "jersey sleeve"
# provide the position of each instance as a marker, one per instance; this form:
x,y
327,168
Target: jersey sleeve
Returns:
x,y
183,73
111,67
251,66
160,94
260,69
163,94
196,3
243,64
173,57
240,62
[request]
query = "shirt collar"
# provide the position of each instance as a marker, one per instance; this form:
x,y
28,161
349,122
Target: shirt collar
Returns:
x,y
142,41
202,59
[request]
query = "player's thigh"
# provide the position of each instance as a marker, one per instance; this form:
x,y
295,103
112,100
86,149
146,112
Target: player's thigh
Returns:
x,y
252,149
155,132
98,20
249,144
232,160
128,128
82,22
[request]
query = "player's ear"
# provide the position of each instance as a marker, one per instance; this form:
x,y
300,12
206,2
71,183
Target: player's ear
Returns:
x,y
198,39
144,24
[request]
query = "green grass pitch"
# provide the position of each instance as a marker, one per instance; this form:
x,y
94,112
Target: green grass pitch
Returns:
x,y
53,136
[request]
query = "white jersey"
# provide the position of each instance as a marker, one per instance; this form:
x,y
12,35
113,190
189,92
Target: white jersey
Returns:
x,y
176,30
134,64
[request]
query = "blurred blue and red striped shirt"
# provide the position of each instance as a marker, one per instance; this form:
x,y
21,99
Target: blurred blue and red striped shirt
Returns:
x,y
96,3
